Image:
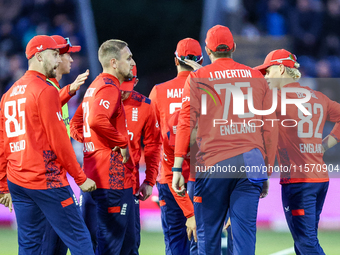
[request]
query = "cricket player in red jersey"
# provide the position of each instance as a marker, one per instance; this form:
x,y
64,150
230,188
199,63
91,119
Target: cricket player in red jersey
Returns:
x,y
304,178
141,122
167,97
37,153
227,141
52,244
100,124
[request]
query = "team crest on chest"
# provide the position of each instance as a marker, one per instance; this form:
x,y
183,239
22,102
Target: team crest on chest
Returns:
x,y
134,114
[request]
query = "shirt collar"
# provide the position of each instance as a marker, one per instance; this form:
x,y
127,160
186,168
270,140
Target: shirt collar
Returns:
x,y
36,73
112,77
183,74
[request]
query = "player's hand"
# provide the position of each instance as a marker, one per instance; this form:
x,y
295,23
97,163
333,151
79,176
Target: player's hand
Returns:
x,y
125,153
178,183
227,225
265,189
191,228
6,200
80,80
88,186
192,64
146,191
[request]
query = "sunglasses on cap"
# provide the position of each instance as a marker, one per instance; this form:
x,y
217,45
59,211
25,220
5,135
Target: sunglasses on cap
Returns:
x,y
190,57
133,77
68,41
291,57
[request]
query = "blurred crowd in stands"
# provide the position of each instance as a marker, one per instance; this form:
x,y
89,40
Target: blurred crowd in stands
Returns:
x,y
313,26
20,20
314,29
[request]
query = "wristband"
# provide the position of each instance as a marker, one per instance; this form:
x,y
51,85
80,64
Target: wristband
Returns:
x,y
148,183
176,169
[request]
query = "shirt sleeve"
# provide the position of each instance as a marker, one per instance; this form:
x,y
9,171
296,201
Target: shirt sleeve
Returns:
x,y
154,101
65,95
184,203
50,117
187,119
3,160
270,129
152,146
76,125
106,105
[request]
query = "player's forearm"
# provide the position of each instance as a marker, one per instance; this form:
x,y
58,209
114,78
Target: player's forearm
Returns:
x,y
178,162
184,203
76,126
3,181
152,159
65,95
328,142
101,125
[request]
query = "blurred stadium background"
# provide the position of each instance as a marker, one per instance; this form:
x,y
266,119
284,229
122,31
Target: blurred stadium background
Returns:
x,y
309,28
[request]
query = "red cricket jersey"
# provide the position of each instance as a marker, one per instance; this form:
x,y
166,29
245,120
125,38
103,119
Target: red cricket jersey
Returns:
x,y
167,163
142,122
33,137
167,98
214,82
302,144
100,124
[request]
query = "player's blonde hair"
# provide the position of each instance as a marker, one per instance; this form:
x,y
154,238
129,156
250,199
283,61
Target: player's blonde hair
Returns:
x,y
293,71
110,49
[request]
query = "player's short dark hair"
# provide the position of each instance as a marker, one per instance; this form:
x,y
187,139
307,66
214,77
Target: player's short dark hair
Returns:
x,y
191,57
222,51
185,66
110,49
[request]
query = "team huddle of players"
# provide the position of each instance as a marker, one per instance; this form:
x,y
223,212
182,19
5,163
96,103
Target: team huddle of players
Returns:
x,y
176,121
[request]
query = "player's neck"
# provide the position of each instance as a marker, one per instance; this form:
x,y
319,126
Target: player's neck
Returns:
x,y
59,76
182,69
36,67
213,58
113,73
285,81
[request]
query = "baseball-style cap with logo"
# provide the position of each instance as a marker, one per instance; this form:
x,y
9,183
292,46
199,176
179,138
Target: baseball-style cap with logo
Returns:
x,y
189,48
61,40
219,35
40,43
131,83
277,57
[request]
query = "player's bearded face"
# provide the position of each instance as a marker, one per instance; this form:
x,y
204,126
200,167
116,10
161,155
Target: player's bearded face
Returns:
x,y
125,64
50,63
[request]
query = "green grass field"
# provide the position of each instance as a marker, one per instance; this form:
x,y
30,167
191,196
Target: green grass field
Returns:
x,y
268,242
